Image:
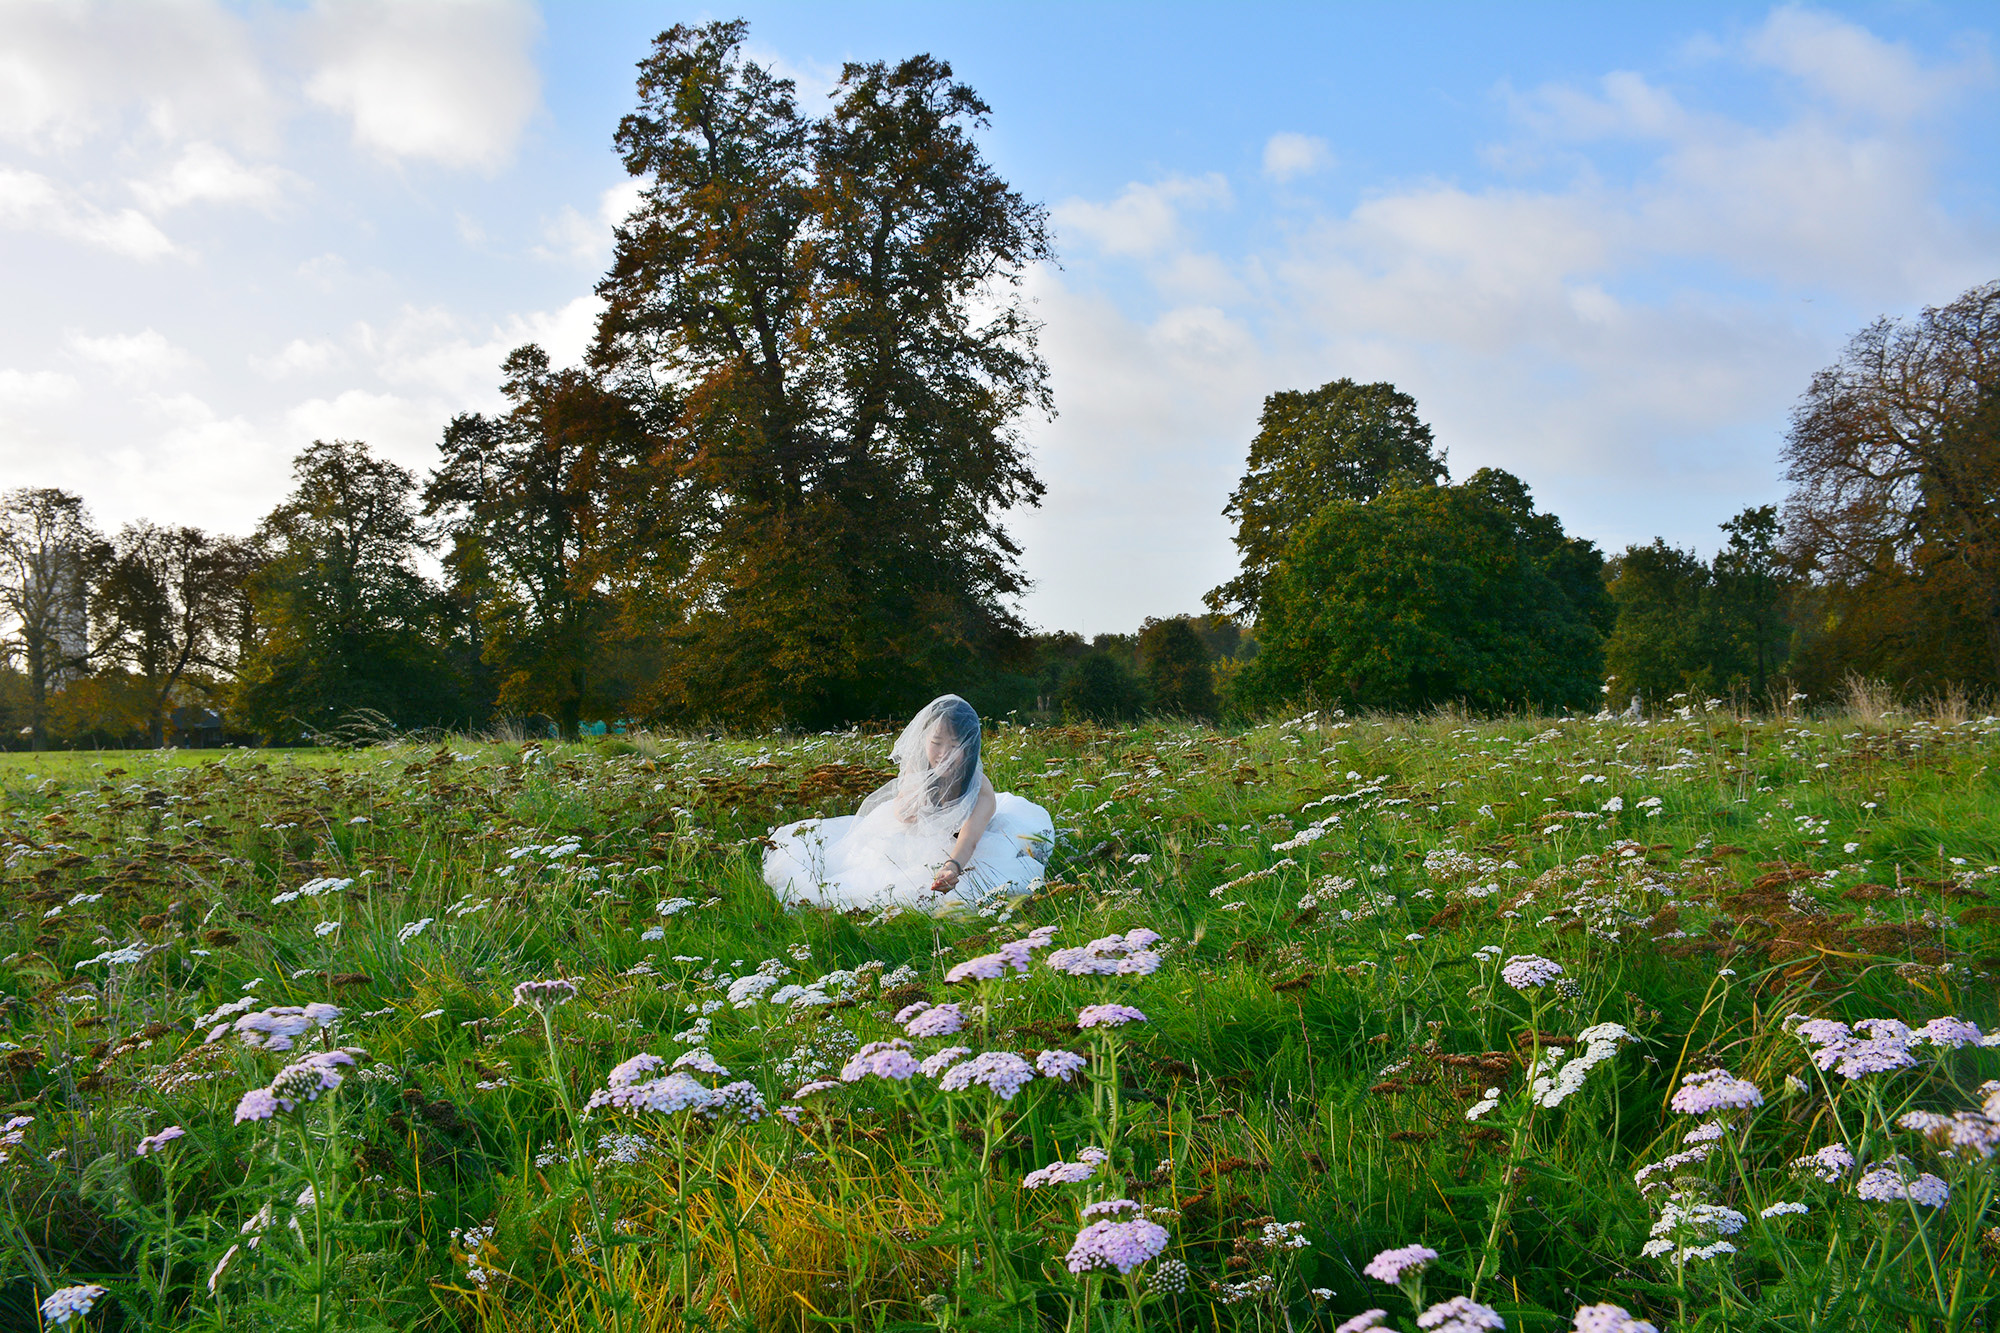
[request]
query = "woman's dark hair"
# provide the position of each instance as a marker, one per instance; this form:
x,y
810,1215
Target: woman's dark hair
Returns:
x,y
959,720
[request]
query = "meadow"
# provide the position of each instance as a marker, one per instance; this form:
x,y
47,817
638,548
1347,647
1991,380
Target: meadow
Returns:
x,y
1331,1022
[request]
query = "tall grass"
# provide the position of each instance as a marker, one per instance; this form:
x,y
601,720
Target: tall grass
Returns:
x,y
1339,901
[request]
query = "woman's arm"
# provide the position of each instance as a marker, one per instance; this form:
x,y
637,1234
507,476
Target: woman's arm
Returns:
x,y
969,835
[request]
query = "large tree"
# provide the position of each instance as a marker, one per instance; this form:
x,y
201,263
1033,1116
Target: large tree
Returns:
x,y
1428,595
49,555
823,315
169,600
1895,482
1341,441
546,510
346,627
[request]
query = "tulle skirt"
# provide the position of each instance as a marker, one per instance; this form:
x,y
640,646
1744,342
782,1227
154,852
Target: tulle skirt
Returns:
x,y
876,861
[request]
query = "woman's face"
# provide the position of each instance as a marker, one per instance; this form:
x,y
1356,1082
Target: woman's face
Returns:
x,y
938,745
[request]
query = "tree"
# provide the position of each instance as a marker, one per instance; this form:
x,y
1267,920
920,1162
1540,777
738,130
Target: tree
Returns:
x,y
1341,441
1428,595
1178,676
168,600
1100,689
345,625
49,555
1752,582
823,316
534,503
1660,643
1894,479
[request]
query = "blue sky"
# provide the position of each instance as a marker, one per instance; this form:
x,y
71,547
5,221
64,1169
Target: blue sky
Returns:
x,y
1603,246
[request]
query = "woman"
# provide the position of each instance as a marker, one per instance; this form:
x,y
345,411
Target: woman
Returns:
x,y
934,838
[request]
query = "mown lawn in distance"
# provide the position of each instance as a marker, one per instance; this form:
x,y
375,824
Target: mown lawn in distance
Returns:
x,y
1336,899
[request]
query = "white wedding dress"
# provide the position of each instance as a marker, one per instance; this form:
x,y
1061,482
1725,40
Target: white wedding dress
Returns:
x,y
889,853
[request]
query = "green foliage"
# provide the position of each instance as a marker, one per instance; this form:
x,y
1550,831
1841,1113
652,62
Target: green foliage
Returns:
x,y
1179,681
817,313
1341,441
1100,688
345,623
1432,595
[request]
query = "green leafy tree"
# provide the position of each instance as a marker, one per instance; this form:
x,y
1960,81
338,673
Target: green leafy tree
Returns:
x,y
1178,675
1100,688
538,509
1428,595
167,604
1662,641
1752,582
50,555
345,625
822,314
1341,441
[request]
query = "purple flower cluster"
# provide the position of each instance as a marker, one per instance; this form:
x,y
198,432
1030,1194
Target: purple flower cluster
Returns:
x,y
295,1085
1365,1322
1059,1065
277,1028
626,1088
1891,1182
933,1065
942,1021
13,1134
882,1059
67,1303
1877,1045
1015,955
1002,1071
1109,1208
702,1062
1128,955
1527,971
1829,1163
543,994
154,1143
1108,1016
1710,1090
1608,1318
1390,1265
1117,1245
1460,1314
1059,1173
1961,1133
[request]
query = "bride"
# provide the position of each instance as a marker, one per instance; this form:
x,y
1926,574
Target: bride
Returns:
x,y
934,838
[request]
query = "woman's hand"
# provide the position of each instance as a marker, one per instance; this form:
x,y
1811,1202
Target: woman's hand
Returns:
x,y
947,877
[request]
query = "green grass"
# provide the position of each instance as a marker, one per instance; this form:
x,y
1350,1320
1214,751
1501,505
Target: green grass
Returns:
x,y
1323,1018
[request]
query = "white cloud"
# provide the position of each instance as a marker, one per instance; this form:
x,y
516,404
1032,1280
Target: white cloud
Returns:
x,y
431,352
395,427
584,240
74,69
1852,67
298,357
1287,155
32,202
133,358
1144,219
205,173
34,388
451,81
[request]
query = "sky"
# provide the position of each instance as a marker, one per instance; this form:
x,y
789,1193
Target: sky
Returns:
x,y
1604,247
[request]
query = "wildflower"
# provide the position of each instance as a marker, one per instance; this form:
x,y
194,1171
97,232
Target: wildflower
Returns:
x,y
701,1060
943,1060
326,928
939,1022
672,1093
1781,1209
1390,1265
1107,1015
1460,1314
544,994
1059,1173
1489,1100
1109,1208
1948,1032
1284,1236
276,1028
1886,1046
1119,1245
1708,1131
413,929
817,1085
256,1104
1608,1318
1002,1071
1527,971
1688,1228
13,1134
155,1143
631,1071
1130,954
1059,1065
740,1098
1710,1090
1600,1043
986,967
1170,1277
1364,1322
67,1303
883,1059
1829,1163
1888,1183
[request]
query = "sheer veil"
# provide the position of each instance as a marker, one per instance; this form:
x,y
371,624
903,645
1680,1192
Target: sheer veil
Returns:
x,y
938,777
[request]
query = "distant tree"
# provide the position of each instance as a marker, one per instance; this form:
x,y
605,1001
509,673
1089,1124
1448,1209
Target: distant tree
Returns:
x,y
1342,441
167,601
49,557
1178,677
533,505
1428,595
1101,689
1894,464
345,625
1662,642
1752,582
819,313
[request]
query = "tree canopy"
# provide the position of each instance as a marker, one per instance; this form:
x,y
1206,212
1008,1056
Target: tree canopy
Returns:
x,y
1341,441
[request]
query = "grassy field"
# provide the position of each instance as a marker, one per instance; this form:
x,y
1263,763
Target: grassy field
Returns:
x,y
1417,982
